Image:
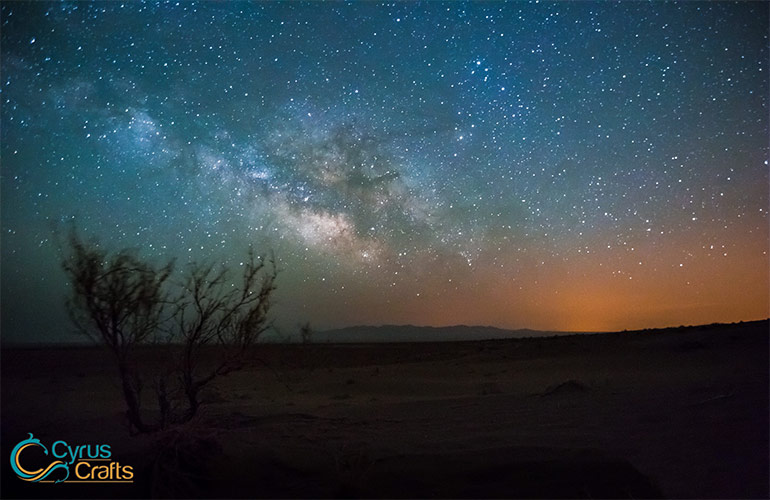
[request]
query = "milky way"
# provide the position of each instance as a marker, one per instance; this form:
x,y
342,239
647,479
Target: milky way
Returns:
x,y
580,165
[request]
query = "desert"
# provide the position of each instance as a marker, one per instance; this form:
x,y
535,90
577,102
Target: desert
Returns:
x,y
672,413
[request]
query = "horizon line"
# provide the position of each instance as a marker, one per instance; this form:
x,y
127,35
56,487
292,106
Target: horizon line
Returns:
x,y
85,342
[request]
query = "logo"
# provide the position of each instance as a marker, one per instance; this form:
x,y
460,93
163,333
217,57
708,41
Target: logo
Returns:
x,y
86,463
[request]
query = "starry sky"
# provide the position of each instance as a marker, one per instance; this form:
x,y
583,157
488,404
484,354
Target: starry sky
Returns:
x,y
573,166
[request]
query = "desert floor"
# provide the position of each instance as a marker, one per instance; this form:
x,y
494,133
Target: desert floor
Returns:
x,y
668,413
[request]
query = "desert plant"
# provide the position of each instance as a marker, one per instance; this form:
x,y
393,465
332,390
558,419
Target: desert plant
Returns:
x,y
122,302
117,300
211,310
305,333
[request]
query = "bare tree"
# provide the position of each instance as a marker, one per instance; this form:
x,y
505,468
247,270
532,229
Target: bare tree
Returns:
x,y
211,310
305,333
117,300
122,302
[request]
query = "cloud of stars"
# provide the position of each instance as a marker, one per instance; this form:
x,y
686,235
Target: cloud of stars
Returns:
x,y
574,166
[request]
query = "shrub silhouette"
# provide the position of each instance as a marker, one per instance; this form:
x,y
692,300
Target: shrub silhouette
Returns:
x,y
122,302
305,333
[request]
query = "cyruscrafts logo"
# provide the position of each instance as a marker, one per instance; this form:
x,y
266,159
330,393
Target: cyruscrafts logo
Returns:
x,y
72,464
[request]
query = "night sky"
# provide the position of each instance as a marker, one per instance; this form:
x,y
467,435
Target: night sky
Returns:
x,y
572,166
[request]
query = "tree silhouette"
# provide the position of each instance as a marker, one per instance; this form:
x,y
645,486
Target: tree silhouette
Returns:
x,y
122,302
117,300
211,310
305,333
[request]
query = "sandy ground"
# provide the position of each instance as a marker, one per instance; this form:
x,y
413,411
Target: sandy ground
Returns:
x,y
673,413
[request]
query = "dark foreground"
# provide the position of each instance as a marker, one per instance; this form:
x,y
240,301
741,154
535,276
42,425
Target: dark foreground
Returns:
x,y
671,413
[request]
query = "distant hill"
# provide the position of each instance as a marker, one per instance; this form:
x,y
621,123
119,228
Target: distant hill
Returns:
x,y
411,333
